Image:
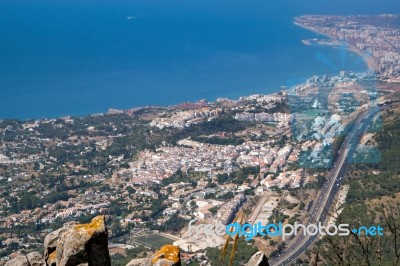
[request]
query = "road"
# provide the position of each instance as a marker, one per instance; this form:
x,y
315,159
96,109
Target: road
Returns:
x,y
330,188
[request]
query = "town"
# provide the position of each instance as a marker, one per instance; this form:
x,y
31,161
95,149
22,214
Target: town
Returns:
x,y
376,38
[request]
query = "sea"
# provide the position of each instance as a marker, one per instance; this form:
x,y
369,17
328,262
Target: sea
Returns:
x,y
74,57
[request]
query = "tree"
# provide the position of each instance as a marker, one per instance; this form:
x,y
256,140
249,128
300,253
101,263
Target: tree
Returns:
x,y
116,228
131,190
361,249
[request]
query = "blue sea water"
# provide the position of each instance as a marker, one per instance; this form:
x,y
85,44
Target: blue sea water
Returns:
x,y
74,57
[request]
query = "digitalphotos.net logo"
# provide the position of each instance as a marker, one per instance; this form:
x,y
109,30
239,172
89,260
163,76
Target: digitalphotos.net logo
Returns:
x,y
288,230
284,231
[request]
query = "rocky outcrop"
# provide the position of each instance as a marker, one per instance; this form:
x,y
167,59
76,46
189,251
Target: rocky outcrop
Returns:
x,y
35,259
168,255
258,259
50,245
80,244
21,260
32,259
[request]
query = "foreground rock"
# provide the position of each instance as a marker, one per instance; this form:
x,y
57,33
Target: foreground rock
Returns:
x,y
168,255
32,259
79,245
50,243
258,259
85,243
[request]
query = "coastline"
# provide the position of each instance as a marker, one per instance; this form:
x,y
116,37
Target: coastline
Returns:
x,y
370,62
92,107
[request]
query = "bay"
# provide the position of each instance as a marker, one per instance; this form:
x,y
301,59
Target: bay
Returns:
x,y
80,57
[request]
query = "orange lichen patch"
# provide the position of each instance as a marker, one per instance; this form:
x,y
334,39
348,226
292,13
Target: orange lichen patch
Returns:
x,y
96,223
53,256
167,252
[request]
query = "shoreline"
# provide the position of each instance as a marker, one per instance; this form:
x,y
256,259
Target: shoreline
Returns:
x,y
370,62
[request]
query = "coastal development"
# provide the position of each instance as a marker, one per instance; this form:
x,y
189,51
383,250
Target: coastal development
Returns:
x,y
152,170
376,38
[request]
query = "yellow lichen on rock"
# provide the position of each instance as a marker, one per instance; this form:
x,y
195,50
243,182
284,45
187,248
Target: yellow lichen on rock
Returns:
x,y
96,224
52,258
167,252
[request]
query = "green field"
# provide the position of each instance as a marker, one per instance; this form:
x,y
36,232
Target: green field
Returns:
x,y
312,112
153,240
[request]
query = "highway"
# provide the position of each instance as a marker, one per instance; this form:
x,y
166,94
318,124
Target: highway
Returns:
x,y
318,212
